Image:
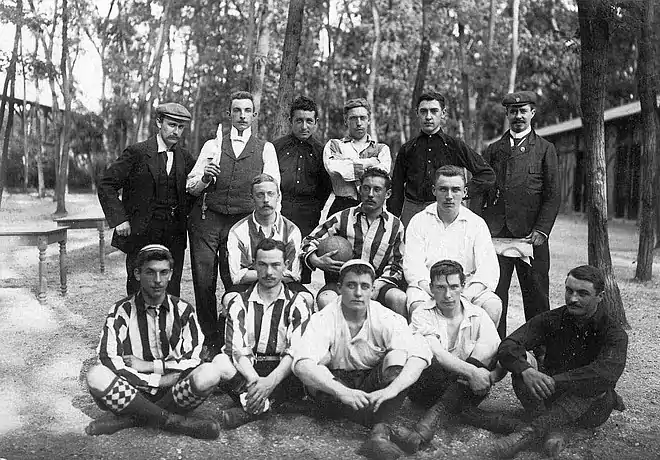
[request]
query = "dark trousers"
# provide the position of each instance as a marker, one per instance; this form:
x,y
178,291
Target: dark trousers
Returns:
x,y
208,252
366,380
564,408
534,282
159,232
341,203
437,384
306,214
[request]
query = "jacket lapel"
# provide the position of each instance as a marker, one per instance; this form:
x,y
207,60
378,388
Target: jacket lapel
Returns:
x,y
152,157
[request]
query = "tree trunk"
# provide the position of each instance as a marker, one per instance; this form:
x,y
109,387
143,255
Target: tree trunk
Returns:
x,y
197,115
26,129
485,87
251,41
465,82
260,60
292,40
10,82
373,74
148,92
67,90
515,52
595,36
423,64
647,99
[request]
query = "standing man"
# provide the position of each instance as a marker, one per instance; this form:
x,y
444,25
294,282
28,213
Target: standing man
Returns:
x,y
357,359
154,206
221,181
419,158
263,322
305,183
375,235
523,204
150,372
346,159
448,230
574,384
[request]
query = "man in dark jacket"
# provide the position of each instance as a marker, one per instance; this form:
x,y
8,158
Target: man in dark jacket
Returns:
x,y
153,207
413,176
586,355
523,204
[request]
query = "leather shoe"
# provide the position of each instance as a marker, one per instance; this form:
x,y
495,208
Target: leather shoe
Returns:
x,y
379,446
109,424
554,443
509,446
192,426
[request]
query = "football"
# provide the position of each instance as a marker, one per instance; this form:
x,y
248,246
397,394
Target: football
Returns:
x,y
333,243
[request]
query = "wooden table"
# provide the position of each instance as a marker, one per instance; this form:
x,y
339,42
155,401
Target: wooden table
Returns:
x,y
41,238
97,222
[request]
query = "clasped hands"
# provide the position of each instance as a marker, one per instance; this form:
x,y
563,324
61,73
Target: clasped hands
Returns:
x,y
358,399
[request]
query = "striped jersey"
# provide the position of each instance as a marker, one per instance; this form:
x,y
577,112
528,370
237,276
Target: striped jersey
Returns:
x,y
380,243
247,233
253,328
169,332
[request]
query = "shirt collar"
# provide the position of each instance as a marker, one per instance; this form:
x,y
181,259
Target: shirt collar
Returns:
x,y
234,136
433,210
162,146
358,212
255,297
469,310
349,139
520,135
277,225
439,133
142,306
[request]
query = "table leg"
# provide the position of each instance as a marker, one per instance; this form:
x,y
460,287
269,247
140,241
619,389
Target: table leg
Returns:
x,y
42,244
101,228
63,266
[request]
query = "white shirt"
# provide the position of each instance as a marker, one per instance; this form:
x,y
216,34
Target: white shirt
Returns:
x,y
162,147
212,150
466,240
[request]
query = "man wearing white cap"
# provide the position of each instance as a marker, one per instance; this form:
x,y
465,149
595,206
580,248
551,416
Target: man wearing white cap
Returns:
x,y
358,357
153,207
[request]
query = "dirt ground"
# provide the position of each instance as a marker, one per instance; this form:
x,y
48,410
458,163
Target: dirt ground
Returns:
x,y
45,350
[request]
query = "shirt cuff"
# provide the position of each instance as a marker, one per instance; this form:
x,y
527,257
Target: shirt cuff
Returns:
x,y
542,233
154,380
159,366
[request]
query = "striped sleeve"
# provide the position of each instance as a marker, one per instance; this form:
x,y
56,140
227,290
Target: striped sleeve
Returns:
x,y
311,242
186,339
393,270
293,249
239,258
297,323
236,336
115,343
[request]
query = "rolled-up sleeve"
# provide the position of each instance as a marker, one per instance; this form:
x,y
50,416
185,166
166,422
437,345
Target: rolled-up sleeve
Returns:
x,y
194,183
271,165
401,337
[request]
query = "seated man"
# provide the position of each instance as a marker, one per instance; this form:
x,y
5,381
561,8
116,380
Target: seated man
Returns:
x,y
375,235
464,342
449,230
586,355
255,364
356,357
150,371
264,222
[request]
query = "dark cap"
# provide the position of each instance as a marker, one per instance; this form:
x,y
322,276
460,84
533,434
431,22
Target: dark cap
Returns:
x,y
519,98
174,111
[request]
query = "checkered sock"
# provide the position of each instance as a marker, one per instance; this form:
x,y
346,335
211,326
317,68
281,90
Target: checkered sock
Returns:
x,y
185,396
124,399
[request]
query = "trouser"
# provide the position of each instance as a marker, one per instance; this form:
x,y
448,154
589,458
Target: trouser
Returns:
x,y
341,203
410,208
366,380
437,384
306,214
534,282
208,251
159,232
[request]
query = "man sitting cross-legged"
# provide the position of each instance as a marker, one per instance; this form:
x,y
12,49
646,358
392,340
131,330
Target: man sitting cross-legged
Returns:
x,y
150,371
464,342
261,325
574,385
264,222
448,230
376,236
357,358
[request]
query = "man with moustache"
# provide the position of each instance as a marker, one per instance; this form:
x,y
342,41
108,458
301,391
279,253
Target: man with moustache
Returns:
x,y
448,230
346,159
264,222
153,207
574,384
523,204
221,181
420,157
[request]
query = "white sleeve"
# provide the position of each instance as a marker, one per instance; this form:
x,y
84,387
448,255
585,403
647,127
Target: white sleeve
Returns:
x,y
194,183
336,164
414,257
271,165
487,268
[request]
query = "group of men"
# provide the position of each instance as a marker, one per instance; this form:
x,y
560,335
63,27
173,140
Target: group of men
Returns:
x,y
419,311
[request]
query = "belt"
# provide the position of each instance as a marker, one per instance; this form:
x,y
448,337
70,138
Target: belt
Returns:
x,y
260,358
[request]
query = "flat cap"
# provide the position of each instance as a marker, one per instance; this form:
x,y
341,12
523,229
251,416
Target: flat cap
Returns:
x,y
357,262
519,98
174,111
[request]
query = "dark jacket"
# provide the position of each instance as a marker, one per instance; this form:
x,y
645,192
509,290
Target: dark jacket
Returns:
x,y
135,173
526,194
